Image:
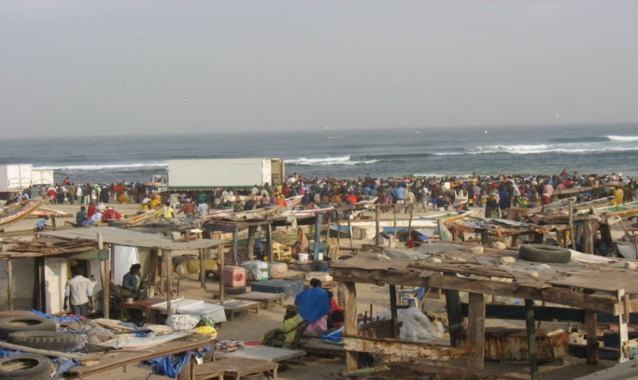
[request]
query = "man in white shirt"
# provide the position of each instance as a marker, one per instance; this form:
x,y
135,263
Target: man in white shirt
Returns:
x,y
79,290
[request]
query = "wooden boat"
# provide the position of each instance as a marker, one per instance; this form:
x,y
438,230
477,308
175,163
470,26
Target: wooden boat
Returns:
x,y
45,211
625,210
564,204
19,211
139,218
424,222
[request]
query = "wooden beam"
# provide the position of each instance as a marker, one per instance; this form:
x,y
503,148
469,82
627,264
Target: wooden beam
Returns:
x,y
202,270
167,263
251,242
349,292
476,330
393,311
106,283
236,245
623,329
9,270
561,296
220,259
531,339
398,350
377,227
592,342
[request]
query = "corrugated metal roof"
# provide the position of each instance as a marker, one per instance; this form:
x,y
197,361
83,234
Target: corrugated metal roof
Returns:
x,y
111,235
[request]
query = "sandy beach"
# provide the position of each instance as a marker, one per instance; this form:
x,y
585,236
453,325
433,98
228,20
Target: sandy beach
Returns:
x,y
250,327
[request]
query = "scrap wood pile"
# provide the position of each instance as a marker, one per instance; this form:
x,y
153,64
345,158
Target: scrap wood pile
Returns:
x,y
59,344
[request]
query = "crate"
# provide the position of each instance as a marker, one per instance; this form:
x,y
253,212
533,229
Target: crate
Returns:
x,y
234,276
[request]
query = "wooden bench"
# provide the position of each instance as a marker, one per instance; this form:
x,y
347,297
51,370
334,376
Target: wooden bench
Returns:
x,y
235,368
266,299
233,307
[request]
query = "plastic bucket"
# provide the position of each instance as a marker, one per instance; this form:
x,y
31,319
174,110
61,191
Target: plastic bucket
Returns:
x,y
319,256
303,257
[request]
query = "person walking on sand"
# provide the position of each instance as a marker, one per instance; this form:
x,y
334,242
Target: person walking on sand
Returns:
x,y
79,290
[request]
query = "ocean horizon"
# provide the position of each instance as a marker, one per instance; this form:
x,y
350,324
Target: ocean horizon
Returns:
x,y
459,151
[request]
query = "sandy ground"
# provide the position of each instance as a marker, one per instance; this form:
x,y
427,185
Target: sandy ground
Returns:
x,y
250,326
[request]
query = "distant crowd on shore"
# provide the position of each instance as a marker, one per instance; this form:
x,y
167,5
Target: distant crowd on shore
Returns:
x,y
495,193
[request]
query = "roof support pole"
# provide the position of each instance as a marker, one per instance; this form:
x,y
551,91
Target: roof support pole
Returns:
x,y
9,270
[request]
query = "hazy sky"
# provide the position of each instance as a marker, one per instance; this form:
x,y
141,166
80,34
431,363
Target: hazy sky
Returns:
x,y
137,66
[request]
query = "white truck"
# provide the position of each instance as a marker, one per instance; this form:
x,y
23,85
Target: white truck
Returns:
x,y
42,177
15,177
206,174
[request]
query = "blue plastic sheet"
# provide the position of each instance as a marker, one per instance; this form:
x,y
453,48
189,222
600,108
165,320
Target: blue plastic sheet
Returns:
x,y
172,365
65,366
57,319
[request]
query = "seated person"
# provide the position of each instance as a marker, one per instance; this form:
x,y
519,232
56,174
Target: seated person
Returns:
x,y
301,245
286,331
132,282
111,215
41,225
314,306
335,317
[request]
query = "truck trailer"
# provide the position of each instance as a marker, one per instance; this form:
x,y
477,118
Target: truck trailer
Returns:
x,y
206,174
43,177
15,177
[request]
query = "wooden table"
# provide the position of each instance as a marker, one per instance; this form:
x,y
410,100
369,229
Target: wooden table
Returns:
x,y
114,364
144,305
233,307
271,354
266,299
234,368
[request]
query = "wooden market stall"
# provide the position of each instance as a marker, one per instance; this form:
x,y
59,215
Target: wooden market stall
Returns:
x,y
584,283
159,245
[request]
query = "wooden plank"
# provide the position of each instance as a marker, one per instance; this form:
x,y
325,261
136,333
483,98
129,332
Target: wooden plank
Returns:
x,y
592,342
531,338
350,321
397,350
271,354
476,330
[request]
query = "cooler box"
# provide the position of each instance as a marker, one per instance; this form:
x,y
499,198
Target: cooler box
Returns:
x,y
289,287
277,270
256,270
234,276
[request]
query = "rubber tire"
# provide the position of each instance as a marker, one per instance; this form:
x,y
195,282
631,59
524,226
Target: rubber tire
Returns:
x,y
44,340
39,367
544,253
15,324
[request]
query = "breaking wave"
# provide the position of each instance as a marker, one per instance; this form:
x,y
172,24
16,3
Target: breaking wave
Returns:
x,y
622,138
111,167
328,161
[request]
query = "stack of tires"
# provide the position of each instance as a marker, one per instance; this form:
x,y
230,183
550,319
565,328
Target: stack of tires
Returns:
x,y
33,332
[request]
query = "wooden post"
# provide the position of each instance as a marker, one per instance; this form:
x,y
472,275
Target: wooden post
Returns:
x,y
318,226
54,225
236,245
167,263
572,235
376,224
393,311
220,258
592,343
623,329
202,270
394,215
350,233
476,330
106,281
350,321
269,242
251,242
531,338
454,313
9,270
410,221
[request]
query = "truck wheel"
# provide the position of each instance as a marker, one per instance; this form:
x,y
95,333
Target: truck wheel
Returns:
x,y
44,340
26,367
15,324
544,253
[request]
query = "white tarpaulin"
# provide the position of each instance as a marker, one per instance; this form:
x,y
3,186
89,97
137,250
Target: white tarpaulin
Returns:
x,y
123,258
